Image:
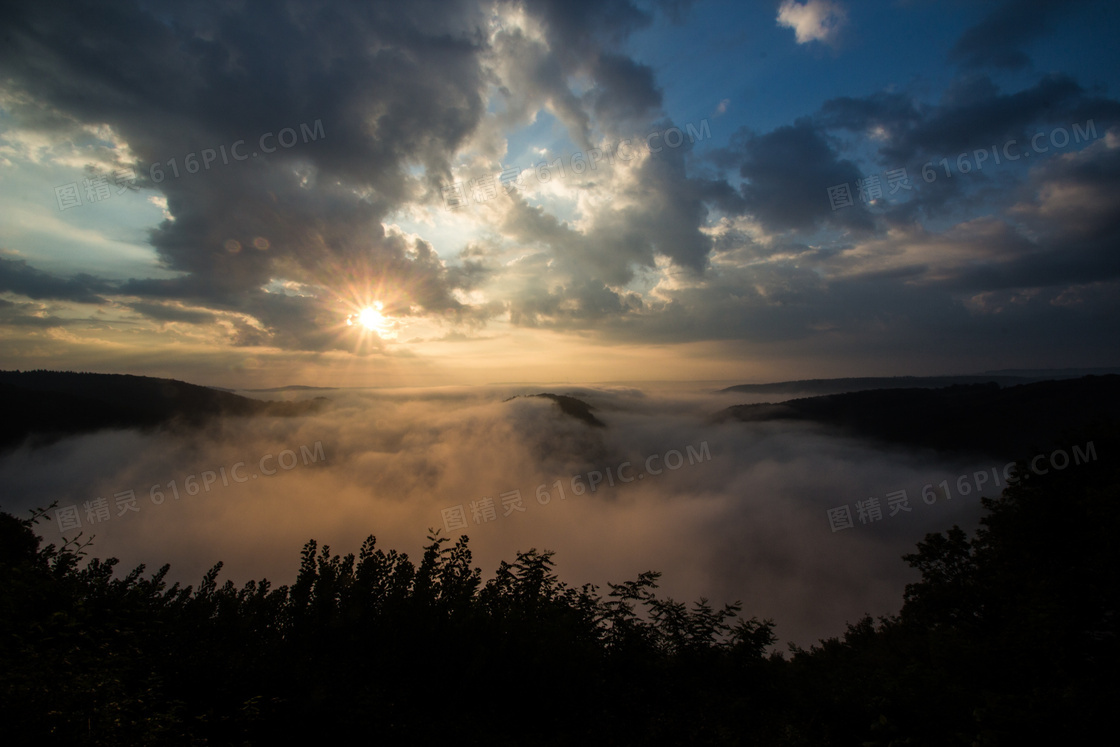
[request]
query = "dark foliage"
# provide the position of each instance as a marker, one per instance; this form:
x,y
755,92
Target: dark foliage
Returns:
x,y
570,406
576,408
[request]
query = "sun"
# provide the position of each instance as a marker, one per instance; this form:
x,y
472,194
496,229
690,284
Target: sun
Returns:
x,y
371,319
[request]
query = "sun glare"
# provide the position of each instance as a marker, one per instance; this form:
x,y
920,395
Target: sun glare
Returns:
x,y
371,319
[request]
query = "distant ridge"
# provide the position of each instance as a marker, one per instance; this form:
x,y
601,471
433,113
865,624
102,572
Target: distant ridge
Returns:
x,y
47,405
1005,377
1055,373
1004,422
837,386
291,388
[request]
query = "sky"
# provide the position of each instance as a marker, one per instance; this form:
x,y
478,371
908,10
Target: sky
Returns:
x,y
253,194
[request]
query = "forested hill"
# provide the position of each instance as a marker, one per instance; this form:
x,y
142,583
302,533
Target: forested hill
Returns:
x,y
46,405
1003,422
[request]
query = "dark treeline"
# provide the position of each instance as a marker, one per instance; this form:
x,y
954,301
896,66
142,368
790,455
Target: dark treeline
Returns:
x,y
1008,638
980,419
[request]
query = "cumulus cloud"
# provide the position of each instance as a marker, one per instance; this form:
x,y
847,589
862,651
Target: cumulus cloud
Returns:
x,y
784,172
813,20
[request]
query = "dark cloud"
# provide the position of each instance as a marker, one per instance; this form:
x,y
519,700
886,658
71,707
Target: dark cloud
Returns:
x,y
893,111
16,276
28,315
998,40
1070,206
165,313
581,27
787,173
900,132
625,90
972,114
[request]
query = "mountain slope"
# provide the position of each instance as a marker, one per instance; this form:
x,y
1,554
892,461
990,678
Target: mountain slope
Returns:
x,y
47,405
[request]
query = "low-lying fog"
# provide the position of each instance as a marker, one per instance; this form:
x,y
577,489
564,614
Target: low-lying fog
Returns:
x,y
750,523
